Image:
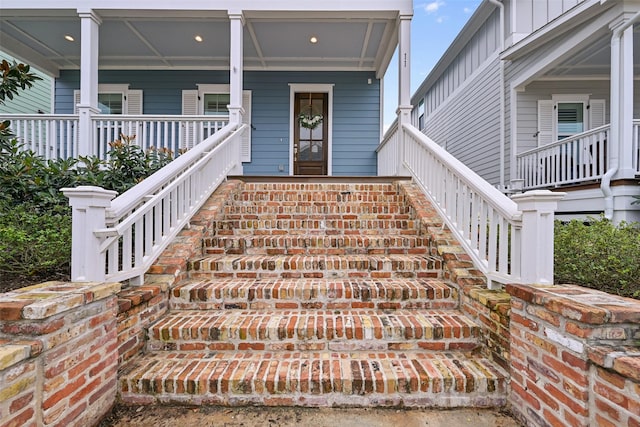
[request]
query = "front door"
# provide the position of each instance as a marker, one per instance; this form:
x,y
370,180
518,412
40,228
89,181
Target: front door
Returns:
x,y
310,147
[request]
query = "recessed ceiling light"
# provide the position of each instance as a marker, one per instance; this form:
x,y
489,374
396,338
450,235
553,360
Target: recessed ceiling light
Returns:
x,y
313,39
198,38
69,38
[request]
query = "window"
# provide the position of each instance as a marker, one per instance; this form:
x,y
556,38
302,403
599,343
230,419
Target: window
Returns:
x,y
570,119
421,115
110,103
215,104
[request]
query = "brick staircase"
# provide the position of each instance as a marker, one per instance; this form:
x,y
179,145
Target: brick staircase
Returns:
x,y
315,294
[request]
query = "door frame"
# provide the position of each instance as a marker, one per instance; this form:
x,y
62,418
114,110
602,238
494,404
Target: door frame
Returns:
x,y
315,88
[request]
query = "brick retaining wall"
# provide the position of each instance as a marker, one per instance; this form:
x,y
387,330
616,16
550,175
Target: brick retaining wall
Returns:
x,y
58,354
575,357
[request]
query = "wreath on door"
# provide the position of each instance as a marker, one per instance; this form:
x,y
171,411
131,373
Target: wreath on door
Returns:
x,y
309,117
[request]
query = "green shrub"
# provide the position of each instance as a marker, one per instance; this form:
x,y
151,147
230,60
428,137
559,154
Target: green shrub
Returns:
x,y
599,255
35,245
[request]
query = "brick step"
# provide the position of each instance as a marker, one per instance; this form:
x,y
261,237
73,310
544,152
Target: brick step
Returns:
x,y
318,266
317,208
313,330
314,244
337,193
332,294
314,379
320,224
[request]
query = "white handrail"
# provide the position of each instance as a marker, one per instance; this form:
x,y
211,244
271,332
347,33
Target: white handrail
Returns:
x,y
139,224
490,226
389,151
578,158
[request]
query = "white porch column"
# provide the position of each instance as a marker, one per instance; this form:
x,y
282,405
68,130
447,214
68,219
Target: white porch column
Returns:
x,y
236,71
404,84
89,27
624,97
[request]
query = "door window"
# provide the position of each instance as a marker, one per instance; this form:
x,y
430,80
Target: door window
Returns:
x,y
570,119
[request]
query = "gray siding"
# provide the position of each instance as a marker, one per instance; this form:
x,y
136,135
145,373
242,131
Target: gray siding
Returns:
x,y
30,101
468,124
531,15
356,110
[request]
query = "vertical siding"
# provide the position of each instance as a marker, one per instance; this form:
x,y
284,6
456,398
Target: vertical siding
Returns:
x,y
356,110
469,124
531,15
29,101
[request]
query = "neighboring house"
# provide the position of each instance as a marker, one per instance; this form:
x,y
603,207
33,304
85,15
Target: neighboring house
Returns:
x,y
35,100
175,72
539,94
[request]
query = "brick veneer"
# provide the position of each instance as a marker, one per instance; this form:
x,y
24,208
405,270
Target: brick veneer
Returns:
x,y
58,354
575,358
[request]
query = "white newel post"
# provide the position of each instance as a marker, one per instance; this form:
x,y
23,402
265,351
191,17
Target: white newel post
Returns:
x,y
236,74
88,205
89,27
536,253
404,86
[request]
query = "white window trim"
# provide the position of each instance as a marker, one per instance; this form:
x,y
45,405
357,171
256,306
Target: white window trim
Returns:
x,y
570,98
205,89
314,88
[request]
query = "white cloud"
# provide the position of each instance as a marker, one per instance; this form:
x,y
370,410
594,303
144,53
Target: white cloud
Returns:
x,y
467,10
433,6
439,19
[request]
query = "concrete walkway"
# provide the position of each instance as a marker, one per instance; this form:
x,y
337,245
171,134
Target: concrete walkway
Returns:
x,y
289,417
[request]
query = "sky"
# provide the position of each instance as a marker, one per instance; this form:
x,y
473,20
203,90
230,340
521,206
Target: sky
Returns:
x,y
434,26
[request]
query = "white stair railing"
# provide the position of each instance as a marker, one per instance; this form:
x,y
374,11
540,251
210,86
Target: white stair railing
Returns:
x,y
120,239
508,242
578,158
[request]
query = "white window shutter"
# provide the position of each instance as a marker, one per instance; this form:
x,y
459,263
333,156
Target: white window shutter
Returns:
x,y
596,113
246,119
189,102
134,102
545,121
76,101
188,134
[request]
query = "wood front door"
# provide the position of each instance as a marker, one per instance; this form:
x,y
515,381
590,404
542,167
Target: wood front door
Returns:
x,y
310,143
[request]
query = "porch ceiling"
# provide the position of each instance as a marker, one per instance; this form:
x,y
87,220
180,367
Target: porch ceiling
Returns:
x,y
594,61
165,39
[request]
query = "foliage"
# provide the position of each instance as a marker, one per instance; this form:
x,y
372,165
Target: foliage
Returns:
x,y
600,255
15,77
33,244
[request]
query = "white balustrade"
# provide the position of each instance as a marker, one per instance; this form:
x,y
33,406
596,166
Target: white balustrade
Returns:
x,y
488,224
56,135
140,223
51,136
575,159
389,152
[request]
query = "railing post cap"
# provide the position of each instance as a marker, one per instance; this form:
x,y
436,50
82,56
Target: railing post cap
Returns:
x,y
538,200
88,195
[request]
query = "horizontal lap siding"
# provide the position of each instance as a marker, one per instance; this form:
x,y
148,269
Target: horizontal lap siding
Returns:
x,y
356,110
469,124
32,100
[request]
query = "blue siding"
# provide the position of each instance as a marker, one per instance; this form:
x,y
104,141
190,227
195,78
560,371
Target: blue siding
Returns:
x,y
356,110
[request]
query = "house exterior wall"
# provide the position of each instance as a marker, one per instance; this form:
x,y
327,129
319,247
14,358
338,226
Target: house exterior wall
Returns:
x,y
30,101
356,110
468,124
531,15
528,104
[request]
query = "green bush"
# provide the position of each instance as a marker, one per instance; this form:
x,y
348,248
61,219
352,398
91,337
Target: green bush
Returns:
x,y
35,220
597,254
35,245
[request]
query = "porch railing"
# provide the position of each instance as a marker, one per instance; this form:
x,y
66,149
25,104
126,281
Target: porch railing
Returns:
x,y
174,133
120,239
56,135
51,136
575,159
509,242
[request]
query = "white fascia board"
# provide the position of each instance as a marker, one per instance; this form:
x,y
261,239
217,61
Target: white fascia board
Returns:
x,y
561,24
